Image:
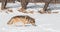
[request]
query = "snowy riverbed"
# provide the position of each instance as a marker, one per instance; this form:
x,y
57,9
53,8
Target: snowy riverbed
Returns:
x,y
44,22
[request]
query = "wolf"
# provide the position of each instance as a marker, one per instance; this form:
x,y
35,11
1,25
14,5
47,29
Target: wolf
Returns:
x,y
24,19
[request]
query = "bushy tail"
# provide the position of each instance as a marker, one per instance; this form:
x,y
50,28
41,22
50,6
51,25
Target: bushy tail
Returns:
x,y
10,22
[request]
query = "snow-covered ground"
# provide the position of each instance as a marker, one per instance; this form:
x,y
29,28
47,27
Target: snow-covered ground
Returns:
x,y
44,22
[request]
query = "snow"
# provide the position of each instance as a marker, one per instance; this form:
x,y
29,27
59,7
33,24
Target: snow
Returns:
x,y
44,22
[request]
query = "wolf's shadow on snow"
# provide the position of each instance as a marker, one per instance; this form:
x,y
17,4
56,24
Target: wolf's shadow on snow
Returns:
x,y
25,25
